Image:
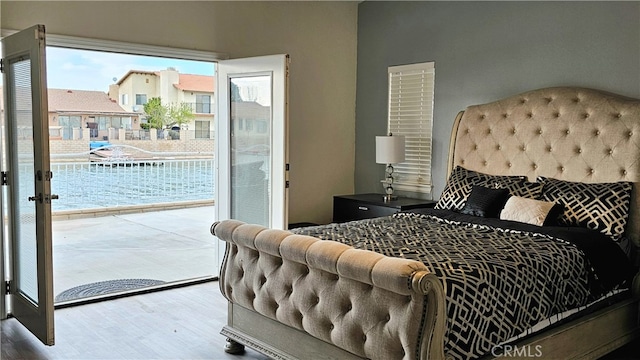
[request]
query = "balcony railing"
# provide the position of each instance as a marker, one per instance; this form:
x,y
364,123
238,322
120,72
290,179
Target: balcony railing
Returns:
x,y
88,185
201,108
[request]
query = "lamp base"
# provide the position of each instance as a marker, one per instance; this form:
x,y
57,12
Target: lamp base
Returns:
x,y
389,197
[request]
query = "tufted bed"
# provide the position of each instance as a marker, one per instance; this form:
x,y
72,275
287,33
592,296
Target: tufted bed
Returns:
x,y
529,252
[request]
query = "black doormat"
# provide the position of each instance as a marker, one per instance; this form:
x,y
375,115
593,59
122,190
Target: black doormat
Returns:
x,y
104,287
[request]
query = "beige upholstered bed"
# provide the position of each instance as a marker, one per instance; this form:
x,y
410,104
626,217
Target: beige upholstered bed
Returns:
x,y
295,296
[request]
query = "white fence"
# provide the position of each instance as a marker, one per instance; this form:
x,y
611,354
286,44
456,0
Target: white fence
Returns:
x,y
88,185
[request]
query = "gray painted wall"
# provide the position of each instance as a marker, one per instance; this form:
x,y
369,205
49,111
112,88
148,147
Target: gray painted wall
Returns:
x,y
484,51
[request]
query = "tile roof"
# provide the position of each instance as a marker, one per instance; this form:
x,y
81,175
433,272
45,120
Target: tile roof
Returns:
x,y
143,72
61,100
190,82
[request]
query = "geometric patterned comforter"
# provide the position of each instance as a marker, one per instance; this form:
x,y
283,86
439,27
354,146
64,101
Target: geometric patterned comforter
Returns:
x,y
500,277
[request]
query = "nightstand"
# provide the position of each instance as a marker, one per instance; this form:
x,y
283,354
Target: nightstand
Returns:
x,y
365,206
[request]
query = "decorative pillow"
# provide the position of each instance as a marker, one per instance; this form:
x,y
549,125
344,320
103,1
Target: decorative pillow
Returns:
x,y
526,189
599,206
485,202
458,186
527,210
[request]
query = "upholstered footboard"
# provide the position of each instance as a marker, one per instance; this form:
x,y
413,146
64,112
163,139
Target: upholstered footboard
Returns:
x,y
295,296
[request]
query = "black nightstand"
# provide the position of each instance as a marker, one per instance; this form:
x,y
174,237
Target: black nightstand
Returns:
x,y
365,206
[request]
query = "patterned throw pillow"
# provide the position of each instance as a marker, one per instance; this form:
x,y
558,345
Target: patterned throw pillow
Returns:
x,y
526,189
598,206
458,187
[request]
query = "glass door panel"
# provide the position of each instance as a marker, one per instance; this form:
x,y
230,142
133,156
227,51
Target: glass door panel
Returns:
x,y
250,149
24,210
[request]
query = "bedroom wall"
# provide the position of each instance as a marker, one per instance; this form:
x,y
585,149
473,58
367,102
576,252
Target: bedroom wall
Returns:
x,y
320,37
485,51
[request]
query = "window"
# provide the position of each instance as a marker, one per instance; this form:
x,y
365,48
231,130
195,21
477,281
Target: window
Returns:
x,y
203,129
262,126
203,104
411,91
68,123
124,99
141,99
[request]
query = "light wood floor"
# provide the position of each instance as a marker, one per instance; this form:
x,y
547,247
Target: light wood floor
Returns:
x,y
181,323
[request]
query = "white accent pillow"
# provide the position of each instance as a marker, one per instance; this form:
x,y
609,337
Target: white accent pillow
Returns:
x,y
526,210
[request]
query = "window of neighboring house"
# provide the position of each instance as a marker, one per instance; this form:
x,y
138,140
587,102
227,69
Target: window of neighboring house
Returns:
x,y
125,122
262,126
68,123
141,99
203,104
118,122
203,129
104,122
411,92
124,99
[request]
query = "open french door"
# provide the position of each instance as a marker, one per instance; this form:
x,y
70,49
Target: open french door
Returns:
x,y
251,141
26,174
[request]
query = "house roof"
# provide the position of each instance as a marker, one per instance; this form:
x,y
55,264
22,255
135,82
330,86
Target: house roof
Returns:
x,y
143,72
190,82
64,100
186,82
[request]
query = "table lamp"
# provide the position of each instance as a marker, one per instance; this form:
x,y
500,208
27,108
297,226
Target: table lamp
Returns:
x,y
389,150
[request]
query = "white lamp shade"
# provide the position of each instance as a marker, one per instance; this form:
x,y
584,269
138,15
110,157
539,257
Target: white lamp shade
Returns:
x,y
389,149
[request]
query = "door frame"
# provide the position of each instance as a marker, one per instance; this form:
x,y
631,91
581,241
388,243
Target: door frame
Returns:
x,y
277,66
82,43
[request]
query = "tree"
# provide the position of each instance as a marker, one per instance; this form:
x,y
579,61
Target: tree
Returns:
x,y
161,116
179,114
156,113
235,93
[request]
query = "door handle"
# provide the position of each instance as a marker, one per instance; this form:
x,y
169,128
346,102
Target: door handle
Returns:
x,y
47,197
36,198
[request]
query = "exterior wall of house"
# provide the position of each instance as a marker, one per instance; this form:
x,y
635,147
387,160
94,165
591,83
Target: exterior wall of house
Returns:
x,y
319,36
162,86
166,91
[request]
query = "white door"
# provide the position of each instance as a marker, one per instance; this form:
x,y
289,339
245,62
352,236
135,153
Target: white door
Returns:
x,y
251,141
28,176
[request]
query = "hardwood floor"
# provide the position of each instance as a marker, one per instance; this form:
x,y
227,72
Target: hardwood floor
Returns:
x,y
182,323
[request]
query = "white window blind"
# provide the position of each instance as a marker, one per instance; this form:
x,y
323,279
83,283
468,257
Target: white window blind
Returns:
x,y
411,90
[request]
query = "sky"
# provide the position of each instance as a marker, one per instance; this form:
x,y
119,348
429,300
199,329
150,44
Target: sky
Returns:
x,y
94,70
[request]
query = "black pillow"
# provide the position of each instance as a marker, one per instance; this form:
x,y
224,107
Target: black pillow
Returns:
x,y
485,202
553,217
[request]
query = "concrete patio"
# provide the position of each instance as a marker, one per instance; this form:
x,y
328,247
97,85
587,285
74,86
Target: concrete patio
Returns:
x,y
169,245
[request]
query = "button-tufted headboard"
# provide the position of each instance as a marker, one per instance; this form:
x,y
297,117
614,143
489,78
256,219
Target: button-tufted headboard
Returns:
x,y
566,133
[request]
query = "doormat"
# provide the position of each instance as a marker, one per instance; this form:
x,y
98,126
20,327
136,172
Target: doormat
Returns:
x,y
104,288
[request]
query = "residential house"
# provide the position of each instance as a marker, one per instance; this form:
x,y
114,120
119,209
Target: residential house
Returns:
x,y
137,87
70,111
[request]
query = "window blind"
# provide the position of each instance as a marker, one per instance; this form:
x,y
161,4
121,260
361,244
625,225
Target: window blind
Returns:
x,y
411,92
